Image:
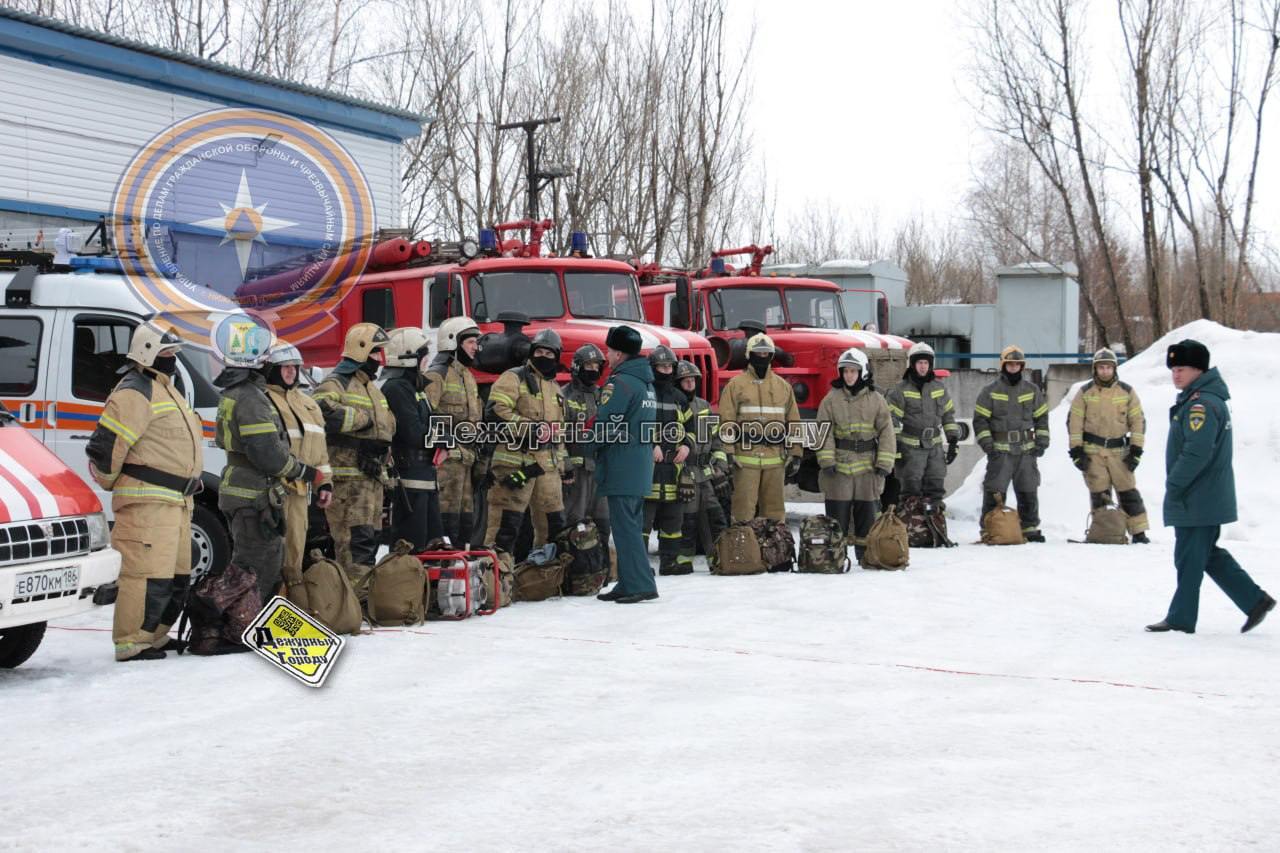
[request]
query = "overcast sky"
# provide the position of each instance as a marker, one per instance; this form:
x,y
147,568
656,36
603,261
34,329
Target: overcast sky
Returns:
x,y
863,103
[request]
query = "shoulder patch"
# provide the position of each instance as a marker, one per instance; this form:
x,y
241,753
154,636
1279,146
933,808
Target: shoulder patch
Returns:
x,y
606,393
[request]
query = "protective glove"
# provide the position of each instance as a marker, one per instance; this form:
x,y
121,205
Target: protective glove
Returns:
x,y
686,490
518,478
952,450
793,467
1131,458
1038,452
883,472
324,496
1078,458
567,477
333,419
990,450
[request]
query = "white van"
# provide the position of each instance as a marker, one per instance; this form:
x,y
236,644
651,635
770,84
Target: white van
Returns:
x,y
63,340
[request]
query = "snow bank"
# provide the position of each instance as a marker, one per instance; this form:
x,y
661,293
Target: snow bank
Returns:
x,y
1245,360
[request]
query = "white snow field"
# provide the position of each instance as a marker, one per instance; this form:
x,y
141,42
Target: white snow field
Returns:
x,y
986,698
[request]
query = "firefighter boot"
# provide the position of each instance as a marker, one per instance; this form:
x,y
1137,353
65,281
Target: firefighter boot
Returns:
x,y
841,512
452,524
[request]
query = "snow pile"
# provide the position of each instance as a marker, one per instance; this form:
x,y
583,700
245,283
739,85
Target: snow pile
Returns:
x,y
845,262
1245,360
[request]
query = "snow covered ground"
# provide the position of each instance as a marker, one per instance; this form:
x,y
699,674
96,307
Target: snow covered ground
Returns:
x,y
986,698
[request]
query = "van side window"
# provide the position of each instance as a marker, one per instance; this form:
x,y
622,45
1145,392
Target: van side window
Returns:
x,y
19,355
98,349
377,306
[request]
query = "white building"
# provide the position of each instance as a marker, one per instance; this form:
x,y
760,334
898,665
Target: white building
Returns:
x,y
78,105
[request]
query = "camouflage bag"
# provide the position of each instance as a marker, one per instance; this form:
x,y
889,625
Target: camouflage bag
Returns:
x,y
219,608
506,581
534,582
586,571
822,548
737,552
1107,526
777,548
887,544
326,594
926,522
1002,525
397,588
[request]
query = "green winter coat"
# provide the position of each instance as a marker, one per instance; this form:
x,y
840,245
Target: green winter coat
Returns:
x,y
1200,487
625,468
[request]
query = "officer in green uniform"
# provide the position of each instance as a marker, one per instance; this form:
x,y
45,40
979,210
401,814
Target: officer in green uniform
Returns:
x,y
624,463
1200,492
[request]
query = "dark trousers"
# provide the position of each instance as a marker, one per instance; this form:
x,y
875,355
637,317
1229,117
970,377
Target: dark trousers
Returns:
x,y
416,517
626,515
1196,554
257,545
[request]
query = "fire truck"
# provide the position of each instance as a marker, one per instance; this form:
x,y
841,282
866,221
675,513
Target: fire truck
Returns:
x,y
804,316
512,291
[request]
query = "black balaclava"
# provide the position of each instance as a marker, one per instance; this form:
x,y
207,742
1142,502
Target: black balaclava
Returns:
x,y
664,379
760,363
371,367
166,364
461,355
274,376
588,376
547,365
1013,378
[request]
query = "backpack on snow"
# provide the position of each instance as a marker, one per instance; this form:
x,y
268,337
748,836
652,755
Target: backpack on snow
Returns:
x,y
506,581
1107,526
588,567
736,552
822,547
326,594
887,544
1002,525
926,522
220,607
397,588
540,581
777,548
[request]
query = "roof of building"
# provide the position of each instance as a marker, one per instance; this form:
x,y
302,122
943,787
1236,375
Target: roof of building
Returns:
x,y
53,42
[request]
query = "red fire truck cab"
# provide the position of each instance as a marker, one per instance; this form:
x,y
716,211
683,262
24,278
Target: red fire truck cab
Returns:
x,y
578,296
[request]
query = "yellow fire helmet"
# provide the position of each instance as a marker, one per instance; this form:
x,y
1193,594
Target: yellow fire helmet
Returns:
x,y
1013,354
363,339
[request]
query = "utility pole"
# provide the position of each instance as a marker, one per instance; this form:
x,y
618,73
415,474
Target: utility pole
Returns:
x,y
536,178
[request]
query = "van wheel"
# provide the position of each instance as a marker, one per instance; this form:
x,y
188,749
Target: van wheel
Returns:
x,y
210,542
19,643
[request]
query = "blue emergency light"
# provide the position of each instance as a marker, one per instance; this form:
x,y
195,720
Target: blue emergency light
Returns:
x,y
717,266
488,240
578,241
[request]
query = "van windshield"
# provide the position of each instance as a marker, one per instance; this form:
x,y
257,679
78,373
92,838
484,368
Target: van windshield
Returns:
x,y
602,295
820,309
536,294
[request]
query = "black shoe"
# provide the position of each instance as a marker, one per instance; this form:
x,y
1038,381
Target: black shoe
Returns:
x,y
612,595
1162,626
1258,613
145,654
1033,536
173,644
676,570
636,598
1141,539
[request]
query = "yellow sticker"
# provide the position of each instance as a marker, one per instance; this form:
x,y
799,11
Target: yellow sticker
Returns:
x,y
294,641
1195,421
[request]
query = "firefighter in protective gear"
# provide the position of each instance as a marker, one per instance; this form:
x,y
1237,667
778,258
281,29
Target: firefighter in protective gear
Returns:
x,y
304,423
261,467
416,508
703,515
527,470
452,393
752,400
1011,424
664,508
924,415
1105,429
581,401
359,425
147,451
858,448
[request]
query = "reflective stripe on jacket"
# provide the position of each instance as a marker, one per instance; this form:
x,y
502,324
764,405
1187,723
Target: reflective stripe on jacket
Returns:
x,y
916,408
304,424
1106,411
1002,408
746,399
863,416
